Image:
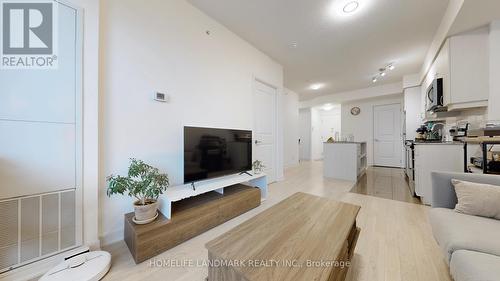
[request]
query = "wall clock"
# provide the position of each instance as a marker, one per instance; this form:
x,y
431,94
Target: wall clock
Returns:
x,y
355,111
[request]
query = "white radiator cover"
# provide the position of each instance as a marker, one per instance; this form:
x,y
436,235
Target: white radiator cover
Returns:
x,y
36,226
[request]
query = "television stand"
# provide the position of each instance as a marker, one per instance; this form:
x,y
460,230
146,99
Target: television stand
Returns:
x,y
177,193
245,173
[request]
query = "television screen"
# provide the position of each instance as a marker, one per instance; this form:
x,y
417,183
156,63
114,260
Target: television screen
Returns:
x,y
211,153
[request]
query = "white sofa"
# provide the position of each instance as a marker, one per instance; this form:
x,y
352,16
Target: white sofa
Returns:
x,y
470,244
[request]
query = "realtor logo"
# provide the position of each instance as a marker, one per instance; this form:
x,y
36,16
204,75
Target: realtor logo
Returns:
x,y
28,34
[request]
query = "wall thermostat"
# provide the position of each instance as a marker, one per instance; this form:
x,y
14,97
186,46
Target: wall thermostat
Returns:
x,y
161,97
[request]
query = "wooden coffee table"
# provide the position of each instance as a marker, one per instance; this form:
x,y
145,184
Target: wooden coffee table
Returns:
x,y
304,237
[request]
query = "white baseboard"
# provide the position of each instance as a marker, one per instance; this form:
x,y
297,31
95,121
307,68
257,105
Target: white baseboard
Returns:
x,y
291,165
111,237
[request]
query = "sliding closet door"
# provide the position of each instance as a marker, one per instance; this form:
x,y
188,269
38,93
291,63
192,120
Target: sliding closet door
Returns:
x,y
40,153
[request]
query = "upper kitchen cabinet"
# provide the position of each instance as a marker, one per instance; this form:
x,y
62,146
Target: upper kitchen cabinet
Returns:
x,y
463,63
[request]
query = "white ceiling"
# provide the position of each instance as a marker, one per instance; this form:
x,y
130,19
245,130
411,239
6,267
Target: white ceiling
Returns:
x,y
343,52
475,14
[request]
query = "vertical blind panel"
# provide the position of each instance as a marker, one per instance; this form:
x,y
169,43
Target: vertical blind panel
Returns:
x,y
50,223
30,228
68,218
8,233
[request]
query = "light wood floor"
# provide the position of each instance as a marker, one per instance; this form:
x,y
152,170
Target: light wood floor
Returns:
x,y
389,183
395,242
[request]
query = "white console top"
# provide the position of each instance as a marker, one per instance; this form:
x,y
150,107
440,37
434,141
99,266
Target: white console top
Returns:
x,y
179,192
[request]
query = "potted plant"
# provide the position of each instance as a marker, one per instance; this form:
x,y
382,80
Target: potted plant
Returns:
x,y
258,167
143,182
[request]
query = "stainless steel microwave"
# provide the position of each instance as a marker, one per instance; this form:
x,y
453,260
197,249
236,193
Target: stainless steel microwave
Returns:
x,y
435,95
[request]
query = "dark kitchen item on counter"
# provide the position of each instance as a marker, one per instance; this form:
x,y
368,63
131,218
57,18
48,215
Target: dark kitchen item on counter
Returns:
x,y
421,133
494,167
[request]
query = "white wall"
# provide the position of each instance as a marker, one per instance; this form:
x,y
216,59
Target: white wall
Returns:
x,y
494,98
316,143
305,134
330,123
163,46
361,126
290,128
324,125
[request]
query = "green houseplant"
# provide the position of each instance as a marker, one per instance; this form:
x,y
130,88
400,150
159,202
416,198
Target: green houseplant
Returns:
x,y
258,167
144,183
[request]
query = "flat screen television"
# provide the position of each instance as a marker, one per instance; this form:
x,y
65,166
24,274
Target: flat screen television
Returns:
x,y
211,153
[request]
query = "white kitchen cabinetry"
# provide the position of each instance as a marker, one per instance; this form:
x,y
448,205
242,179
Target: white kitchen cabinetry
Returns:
x,y
433,158
463,63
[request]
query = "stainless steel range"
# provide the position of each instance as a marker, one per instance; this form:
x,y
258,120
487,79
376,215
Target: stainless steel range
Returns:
x,y
410,165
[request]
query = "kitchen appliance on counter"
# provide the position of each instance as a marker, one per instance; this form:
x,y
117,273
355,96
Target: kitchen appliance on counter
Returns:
x,y
435,96
410,165
435,132
430,132
459,131
421,133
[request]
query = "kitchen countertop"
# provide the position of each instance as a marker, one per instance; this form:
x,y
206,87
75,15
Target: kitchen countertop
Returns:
x,y
440,143
345,142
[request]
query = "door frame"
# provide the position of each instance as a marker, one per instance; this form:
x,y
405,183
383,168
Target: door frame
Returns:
x,y
400,133
276,150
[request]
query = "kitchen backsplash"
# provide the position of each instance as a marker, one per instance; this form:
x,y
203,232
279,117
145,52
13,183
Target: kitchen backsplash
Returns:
x,y
476,117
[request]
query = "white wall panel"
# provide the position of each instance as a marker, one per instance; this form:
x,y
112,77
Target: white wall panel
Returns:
x,y
36,158
44,95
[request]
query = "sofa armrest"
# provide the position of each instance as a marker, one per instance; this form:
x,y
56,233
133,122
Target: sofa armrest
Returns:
x,y
443,192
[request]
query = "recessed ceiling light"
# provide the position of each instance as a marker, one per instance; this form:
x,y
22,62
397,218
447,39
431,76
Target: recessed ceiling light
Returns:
x,y
316,86
382,74
391,67
328,107
374,80
294,45
350,7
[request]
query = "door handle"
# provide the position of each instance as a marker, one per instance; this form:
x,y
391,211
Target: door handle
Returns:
x,y
376,140
257,142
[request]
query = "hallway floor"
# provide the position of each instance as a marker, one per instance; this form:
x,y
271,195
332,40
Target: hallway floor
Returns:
x,y
388,183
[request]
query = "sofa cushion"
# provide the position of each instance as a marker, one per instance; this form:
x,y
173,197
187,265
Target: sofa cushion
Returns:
x,y
455,231
477,199
474,266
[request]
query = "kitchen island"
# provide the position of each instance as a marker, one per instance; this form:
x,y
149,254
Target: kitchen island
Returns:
x,y
344,160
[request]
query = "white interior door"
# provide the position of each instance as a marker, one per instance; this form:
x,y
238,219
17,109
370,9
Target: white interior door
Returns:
x,y
387,135
265,127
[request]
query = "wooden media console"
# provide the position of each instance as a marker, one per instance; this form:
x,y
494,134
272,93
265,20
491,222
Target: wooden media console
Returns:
x,y
190,217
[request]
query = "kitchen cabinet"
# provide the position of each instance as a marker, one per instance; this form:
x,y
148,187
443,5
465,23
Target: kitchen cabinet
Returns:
x,y
429,157
463,63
